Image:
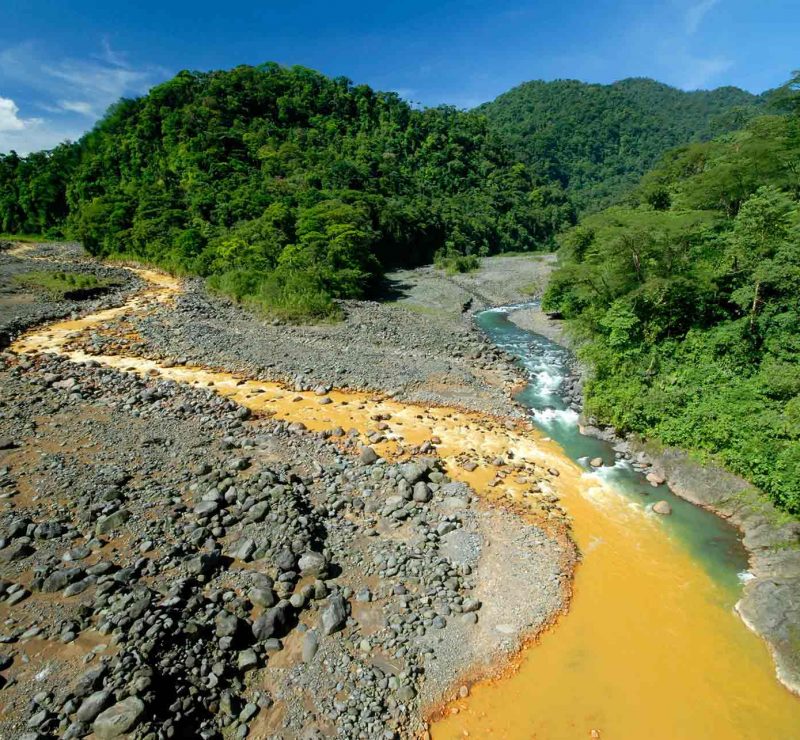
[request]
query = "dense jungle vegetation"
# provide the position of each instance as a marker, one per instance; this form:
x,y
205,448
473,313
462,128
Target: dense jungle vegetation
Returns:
x,y
598,140
288,189
284,186
687,302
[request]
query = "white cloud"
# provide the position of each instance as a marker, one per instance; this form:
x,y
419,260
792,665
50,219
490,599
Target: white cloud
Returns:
x,y
9,118
25,135
97,85
76,106
74,92
696,13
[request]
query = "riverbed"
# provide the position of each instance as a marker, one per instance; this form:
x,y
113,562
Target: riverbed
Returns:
x,y
650,646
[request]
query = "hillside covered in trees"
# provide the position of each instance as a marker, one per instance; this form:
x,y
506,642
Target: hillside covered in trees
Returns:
x,y
287,187
598,140
687,303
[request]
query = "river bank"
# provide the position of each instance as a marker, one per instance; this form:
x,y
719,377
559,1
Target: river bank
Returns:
x,y
518,569
424,582
770,602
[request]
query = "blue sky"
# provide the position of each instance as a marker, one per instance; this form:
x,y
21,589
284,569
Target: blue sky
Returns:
x,y
62,63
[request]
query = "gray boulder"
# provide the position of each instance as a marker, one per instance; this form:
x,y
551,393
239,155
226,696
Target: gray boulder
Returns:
x,y
334,616
119,719
92,706
273,622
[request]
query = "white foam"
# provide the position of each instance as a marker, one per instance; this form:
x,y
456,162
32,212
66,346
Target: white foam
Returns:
x,y
547,417
548,382
745,576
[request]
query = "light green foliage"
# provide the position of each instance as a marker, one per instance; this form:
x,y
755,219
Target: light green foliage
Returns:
x,y
689,312
453,264
59,285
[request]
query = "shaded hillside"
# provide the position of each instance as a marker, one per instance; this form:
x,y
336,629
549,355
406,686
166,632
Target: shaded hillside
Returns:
x,y
597,140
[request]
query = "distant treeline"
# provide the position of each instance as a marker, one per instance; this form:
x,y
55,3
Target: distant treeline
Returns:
x,y
598,140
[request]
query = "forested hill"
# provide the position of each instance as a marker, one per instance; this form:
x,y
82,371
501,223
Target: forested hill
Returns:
x,y
686,302
597,140
286,186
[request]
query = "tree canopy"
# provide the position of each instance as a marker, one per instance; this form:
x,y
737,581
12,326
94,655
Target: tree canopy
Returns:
x,y
687,303
277,180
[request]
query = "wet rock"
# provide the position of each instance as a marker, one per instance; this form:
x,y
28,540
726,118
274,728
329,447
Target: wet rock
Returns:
x,y
662,507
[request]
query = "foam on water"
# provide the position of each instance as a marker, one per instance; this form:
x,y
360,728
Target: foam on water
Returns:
x,y
550,417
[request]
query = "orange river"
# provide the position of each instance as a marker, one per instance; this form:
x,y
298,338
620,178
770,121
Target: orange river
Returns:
x,y
650,648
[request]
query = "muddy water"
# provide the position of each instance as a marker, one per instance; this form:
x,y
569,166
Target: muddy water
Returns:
x,y
651,646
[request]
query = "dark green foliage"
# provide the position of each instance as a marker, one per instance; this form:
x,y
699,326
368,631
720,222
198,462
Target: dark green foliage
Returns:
x,y
315,183
688,307
33,198
597,140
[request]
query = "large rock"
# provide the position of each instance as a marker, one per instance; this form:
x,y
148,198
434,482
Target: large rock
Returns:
x,y
60,579
119,719
17,551
310,646
111,522
243,550
263,597
413,471
312,564
771,607
422,494
92,706
274,622
334,616
226,624
204,563
662,507
368,456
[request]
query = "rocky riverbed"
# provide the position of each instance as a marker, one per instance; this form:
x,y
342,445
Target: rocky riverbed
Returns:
x,y
173,566
21,307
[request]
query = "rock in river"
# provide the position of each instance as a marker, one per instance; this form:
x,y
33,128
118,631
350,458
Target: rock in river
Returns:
x,y
662,507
